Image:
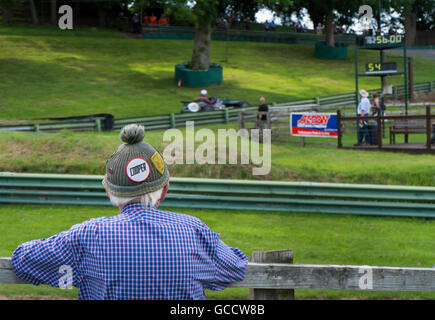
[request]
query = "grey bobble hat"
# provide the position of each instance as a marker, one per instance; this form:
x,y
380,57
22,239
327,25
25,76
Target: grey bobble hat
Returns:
x,y
136,168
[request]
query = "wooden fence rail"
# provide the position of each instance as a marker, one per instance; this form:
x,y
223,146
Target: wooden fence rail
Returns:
x,y
277,280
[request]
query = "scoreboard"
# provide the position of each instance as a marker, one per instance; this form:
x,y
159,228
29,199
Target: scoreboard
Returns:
x,y
381,68
380,40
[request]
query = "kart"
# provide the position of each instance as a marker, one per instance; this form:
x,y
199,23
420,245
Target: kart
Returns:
x,y
219,104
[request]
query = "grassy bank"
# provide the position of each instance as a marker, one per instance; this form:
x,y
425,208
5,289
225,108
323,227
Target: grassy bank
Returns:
x,y
51,72
315,239
87,152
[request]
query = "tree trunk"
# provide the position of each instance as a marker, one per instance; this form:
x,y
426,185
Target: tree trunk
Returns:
x,y
330,41
101,17
33,12
53,12
201,47
6,15
410,28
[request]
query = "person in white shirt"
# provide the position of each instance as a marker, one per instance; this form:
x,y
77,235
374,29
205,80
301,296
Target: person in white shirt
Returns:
x,y
363,111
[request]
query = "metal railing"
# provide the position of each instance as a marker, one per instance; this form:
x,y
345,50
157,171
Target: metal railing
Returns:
x,y
339,198
188,33
173,120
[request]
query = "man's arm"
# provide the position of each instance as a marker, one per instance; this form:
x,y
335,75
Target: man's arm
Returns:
x,y
231,264
49,261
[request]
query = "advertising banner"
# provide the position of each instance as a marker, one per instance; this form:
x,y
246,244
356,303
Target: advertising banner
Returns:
x,y
313,125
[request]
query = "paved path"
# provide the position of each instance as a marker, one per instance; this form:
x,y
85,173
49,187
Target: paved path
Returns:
x,y
424,53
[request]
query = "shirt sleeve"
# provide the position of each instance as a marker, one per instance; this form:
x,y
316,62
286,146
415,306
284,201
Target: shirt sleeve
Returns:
x,y
48,261
230,264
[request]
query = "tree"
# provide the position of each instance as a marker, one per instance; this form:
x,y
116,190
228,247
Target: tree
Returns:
x,y
53,12
6,6
413,13
205,13
326,12
33,12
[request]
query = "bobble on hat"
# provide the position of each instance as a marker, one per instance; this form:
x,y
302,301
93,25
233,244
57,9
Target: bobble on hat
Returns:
x,y
132,134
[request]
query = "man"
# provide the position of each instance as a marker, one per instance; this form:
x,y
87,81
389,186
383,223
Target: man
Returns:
x,y
142,253
363,111
203,98
136,24
262,117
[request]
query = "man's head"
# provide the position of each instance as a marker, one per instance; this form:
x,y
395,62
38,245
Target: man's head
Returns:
x,y
136,172
204,93
363,94
262,100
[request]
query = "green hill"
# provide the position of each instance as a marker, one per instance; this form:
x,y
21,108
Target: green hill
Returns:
x,y
50,72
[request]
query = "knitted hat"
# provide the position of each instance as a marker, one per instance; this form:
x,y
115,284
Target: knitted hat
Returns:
x,y
136,168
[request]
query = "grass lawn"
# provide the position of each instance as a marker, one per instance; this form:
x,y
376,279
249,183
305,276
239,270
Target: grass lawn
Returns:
x,y
51,72
87,152
315,239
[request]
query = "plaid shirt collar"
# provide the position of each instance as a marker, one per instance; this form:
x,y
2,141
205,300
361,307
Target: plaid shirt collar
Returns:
x,y
141,211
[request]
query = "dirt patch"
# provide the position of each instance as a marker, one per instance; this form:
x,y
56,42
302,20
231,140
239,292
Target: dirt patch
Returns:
x,y
419,97
15,149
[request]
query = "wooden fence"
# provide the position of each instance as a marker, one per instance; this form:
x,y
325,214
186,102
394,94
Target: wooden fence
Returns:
x,y
278,121
426,126
272,276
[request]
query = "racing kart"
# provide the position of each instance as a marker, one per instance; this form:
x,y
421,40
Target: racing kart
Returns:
x,y
219,104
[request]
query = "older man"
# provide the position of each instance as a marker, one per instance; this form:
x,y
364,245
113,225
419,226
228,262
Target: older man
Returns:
x,y
142,253
363,111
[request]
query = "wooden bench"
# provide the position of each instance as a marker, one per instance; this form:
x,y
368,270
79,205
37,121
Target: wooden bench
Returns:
x,y
407,126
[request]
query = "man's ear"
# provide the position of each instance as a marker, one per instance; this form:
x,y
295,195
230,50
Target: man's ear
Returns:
x,y
164,192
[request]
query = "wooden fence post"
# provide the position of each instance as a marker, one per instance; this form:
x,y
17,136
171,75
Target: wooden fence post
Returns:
x,y
279,256
173,120
379,129
241,121
428,127
98,124
226,116
339,142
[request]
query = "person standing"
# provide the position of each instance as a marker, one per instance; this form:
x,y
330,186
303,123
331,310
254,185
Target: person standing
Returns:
x,y
247,23
262,116
375,111
319,28
136,23
363,110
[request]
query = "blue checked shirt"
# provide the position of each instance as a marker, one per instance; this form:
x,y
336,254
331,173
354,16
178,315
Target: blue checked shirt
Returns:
x,y
142,253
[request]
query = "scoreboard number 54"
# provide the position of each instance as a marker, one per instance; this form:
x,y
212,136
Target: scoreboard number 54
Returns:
x,y
373,67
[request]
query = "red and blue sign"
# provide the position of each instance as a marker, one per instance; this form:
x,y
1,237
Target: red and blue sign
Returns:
x,y
313,124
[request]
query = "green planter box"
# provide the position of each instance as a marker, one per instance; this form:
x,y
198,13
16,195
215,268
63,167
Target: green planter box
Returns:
x,y
198,78
325,52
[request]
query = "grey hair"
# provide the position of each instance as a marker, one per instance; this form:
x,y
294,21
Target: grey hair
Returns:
x,y
148,199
